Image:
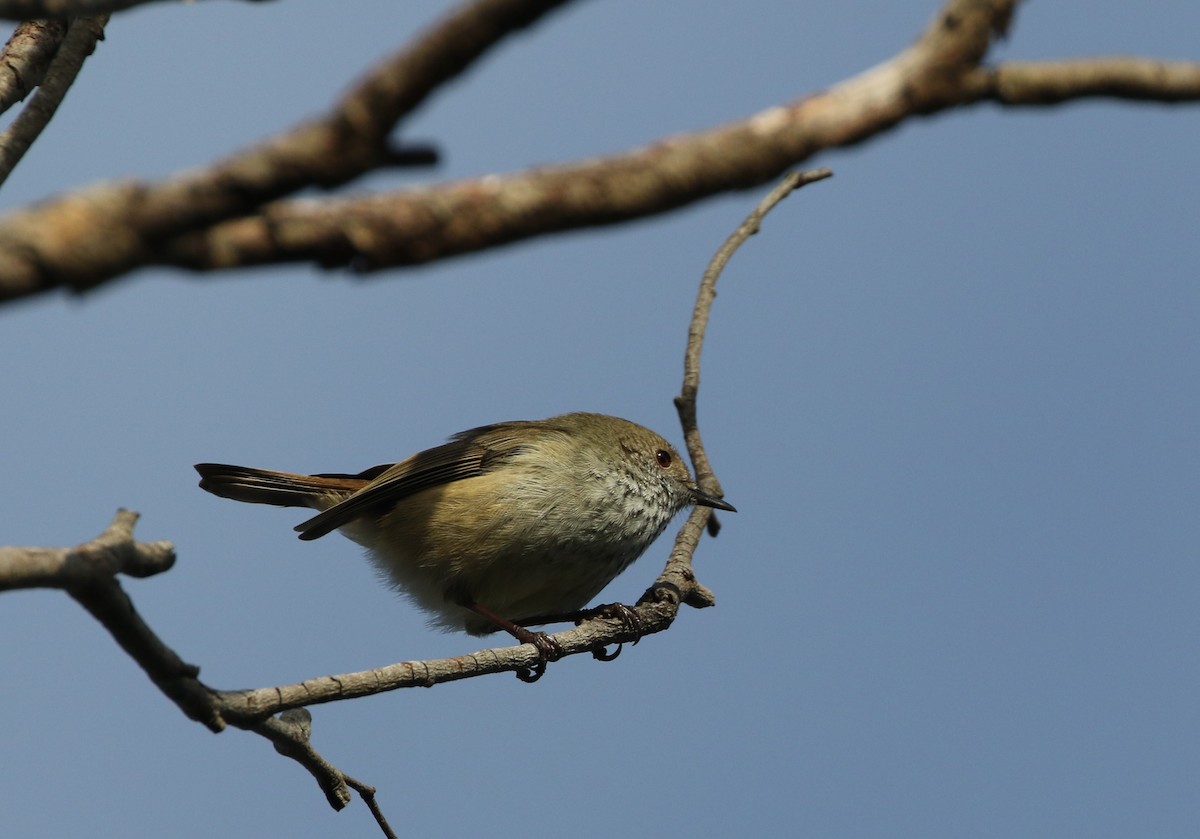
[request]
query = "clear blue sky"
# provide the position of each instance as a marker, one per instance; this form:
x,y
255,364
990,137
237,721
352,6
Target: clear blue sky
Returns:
x,y
953,393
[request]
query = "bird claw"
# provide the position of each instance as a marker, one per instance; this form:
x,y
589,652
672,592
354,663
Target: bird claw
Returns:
x,y
531,674
602,653
548,650
628,617
630,622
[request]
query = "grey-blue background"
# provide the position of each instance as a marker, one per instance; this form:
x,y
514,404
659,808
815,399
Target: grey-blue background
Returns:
x,y
952,392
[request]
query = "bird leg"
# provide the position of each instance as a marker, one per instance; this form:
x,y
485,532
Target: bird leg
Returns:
x,y
628,617
548,649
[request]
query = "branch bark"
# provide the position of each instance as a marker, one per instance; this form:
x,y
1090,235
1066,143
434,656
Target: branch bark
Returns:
x,y
74,48
26,57
685,402
1109,77
88,573
101,232
233,214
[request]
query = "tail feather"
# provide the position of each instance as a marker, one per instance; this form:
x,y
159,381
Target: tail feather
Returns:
x,y
282,489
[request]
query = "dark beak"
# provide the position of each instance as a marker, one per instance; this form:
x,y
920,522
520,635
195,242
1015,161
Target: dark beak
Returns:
x,y
706,500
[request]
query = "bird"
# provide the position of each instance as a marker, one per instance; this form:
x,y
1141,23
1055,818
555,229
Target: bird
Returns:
x,y
503,525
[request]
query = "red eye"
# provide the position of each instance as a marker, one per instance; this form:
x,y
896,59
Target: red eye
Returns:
x,y
663,457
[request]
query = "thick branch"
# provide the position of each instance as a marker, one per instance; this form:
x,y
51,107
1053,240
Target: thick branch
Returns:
x,y
26,57
78,44
422,225
88,237
100,232
91,236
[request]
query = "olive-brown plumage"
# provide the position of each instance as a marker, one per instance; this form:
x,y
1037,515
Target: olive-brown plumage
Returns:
x,y
514,520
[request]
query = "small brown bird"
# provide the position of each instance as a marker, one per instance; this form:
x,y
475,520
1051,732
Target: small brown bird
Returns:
x,y
502,525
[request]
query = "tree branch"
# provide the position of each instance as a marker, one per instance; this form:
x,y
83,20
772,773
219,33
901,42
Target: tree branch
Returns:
x,y
79,42
112,552
1110,77
88,573
102,231
227,216
26,57
685,402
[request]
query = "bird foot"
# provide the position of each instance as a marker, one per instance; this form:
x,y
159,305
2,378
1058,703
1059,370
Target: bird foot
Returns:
x,y
548,650
626,615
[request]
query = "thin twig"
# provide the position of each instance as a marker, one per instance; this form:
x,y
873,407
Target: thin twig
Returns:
x,y
292,740
367,793
685,402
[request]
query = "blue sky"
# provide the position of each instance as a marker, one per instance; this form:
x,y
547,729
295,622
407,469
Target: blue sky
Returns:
x,y
952,392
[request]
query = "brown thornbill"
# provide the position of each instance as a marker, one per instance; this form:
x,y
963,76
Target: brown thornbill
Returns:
x,y
502,525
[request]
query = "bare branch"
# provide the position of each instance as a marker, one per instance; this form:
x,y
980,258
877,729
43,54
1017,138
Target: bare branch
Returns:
x,y
368,796
87,573
218,218
248,706
112,552
78,44
26,57
103,231
1113,77
290,734
685,402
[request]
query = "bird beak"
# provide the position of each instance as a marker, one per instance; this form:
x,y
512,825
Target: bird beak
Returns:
x,y
706,500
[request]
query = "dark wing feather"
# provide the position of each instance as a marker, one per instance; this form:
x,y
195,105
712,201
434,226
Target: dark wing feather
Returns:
x,y
468,454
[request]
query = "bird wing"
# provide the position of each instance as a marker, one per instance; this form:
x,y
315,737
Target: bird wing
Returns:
x,y
468,454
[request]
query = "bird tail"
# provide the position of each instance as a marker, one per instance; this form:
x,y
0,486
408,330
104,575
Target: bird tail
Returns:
x,y
282,489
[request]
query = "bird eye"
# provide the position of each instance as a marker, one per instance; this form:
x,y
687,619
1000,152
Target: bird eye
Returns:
x,y
663,457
